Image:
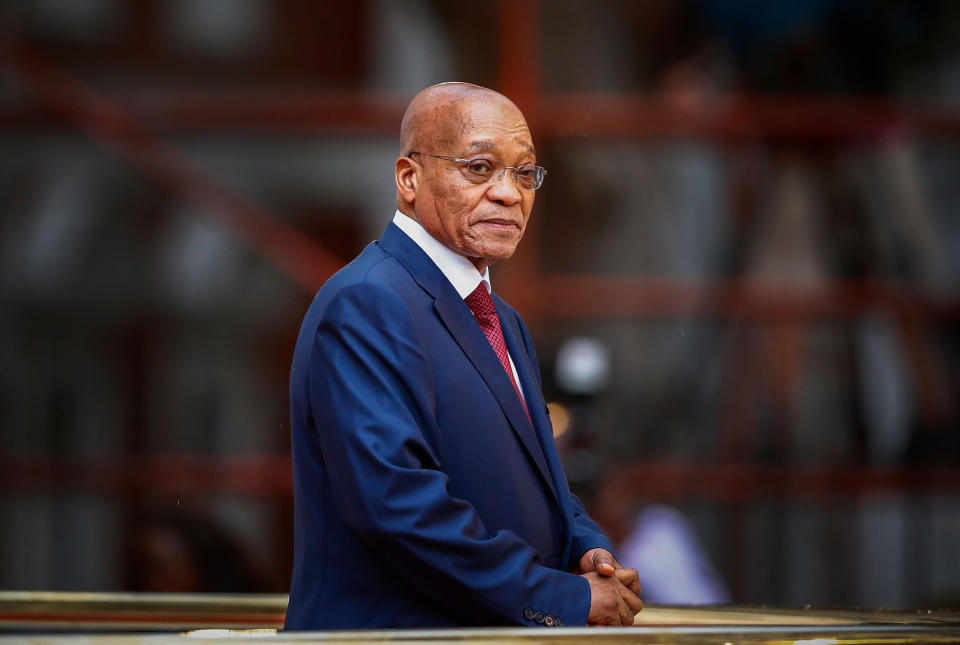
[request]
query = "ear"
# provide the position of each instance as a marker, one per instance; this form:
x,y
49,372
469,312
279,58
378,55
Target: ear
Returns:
x,y
406,172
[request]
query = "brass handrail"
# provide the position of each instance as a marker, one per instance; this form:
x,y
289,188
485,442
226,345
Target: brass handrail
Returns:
x,y
55,617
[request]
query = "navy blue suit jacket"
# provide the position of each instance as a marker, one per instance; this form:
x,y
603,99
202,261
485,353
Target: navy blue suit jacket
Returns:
x,y
424,494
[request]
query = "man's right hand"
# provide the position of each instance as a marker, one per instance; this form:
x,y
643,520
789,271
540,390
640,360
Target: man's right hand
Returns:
x,y
611,603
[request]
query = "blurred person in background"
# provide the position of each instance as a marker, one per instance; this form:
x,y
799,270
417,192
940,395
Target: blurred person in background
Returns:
x,y
428,491
664,544
661,540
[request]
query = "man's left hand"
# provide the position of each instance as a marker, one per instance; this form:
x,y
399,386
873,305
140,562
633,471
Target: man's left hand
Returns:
x,y
603,562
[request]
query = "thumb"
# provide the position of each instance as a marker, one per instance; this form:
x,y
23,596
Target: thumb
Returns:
x,y
603,562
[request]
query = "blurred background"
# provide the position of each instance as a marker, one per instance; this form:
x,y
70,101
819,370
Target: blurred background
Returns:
x,y
742,275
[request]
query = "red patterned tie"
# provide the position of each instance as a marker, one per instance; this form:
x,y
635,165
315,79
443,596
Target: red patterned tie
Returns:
x,y
481,304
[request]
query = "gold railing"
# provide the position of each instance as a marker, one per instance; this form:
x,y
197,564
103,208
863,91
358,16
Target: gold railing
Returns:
x,y
139,611
115,618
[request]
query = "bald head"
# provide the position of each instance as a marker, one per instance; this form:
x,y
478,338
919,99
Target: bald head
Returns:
x,y
468,207
437,116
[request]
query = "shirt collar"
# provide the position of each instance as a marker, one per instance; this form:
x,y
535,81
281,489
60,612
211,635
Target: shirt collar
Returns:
x,y
460,271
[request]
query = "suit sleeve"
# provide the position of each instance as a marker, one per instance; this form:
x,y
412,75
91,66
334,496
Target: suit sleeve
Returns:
x,y
372,391
586,534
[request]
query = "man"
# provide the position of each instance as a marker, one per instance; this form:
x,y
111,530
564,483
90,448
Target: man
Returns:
x,y
427,487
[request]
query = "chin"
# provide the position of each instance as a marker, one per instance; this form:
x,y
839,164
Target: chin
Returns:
x,y
498,250
504,254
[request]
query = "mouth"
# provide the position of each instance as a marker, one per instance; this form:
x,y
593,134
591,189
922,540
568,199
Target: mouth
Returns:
x,y
499,223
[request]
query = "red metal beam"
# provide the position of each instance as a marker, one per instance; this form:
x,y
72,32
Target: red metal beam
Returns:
x,y
556,115
300,258
737,116
160,474
342,113
519,53
655,480
748,482
599,296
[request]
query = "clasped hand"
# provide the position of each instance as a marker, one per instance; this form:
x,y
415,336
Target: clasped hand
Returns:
x,y
614,590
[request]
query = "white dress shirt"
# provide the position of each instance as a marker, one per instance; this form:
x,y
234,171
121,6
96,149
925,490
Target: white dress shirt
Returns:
x,y
460,271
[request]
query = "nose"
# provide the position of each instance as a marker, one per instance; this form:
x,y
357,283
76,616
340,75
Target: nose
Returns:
x,y
503,187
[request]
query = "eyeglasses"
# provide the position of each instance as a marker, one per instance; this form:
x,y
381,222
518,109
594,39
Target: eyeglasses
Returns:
x,y
480,170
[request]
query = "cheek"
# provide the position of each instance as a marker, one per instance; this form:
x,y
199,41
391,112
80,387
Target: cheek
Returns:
x,y
457,214
526,206
458,206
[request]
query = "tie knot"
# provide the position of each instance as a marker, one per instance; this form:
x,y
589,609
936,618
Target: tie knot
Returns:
x,y
480,302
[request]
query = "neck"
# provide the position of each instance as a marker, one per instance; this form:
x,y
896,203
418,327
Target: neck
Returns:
x,y
480,263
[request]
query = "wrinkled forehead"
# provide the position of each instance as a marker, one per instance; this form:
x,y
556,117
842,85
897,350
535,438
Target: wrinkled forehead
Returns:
x,y
486,124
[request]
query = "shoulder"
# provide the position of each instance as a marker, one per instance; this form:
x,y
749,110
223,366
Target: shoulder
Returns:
x,y
373,266
371,290
372,276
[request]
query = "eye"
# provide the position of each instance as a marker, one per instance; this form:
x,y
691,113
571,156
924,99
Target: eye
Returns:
x,y
481,167
528,176
527,172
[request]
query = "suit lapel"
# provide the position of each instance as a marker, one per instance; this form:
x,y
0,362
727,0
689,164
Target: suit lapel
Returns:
x,y
461,323
458,319
531,390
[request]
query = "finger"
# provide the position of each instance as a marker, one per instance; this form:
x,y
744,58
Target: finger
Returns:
x,y
609,617
632,600
617,607
626,616
629,578
603,562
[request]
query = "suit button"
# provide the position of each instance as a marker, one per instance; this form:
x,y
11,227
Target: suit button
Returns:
x,y
557,622
538,617
528,613
548,621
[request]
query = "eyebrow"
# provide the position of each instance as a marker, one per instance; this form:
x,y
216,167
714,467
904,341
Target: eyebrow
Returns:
x,y
487,145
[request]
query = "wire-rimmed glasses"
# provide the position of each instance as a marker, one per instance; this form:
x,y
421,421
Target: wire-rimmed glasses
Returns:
x,y
480,170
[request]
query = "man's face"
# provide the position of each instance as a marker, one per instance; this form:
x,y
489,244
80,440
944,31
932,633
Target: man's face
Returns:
x,y
483,222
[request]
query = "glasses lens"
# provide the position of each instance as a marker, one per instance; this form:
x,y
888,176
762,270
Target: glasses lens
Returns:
x,y
530,177
479,170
